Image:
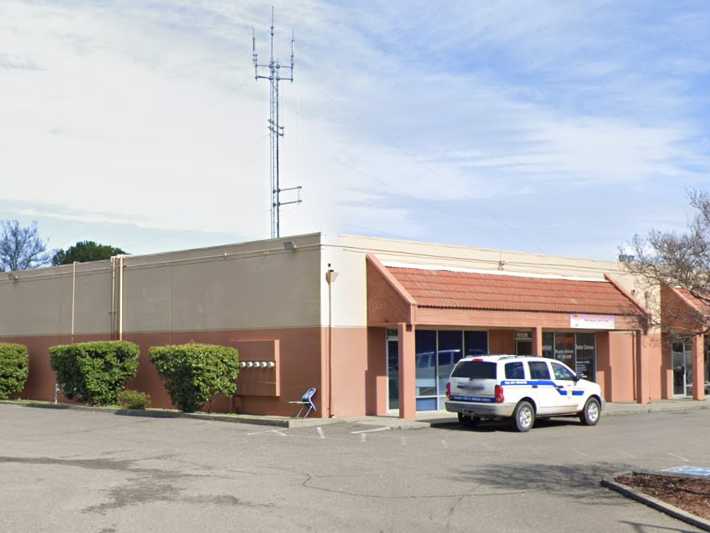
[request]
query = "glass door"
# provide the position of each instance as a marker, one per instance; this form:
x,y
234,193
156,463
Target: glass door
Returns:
x,y
682,360
585,356
393,369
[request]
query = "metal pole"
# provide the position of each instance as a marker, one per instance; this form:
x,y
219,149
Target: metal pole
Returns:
x,y
273,73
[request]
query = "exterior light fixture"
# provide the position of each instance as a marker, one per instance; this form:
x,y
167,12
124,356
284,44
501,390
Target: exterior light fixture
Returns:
x,y
290,246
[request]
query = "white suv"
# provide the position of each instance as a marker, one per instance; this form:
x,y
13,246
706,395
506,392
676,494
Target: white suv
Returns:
x,y
521,387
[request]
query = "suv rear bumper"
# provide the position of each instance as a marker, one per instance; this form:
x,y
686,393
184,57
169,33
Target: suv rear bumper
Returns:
x,y
480,409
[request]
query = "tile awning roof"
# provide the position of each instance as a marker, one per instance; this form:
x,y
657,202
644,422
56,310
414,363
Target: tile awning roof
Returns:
x,y
695,302
467,290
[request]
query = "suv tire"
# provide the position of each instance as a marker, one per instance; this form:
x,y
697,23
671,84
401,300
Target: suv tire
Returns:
x,y
591,413
524,416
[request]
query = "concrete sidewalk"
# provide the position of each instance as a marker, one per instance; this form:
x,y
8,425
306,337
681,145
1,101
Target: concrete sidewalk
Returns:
x,y
424,420
610,409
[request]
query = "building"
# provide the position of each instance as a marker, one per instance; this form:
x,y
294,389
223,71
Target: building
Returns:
x,y
376,325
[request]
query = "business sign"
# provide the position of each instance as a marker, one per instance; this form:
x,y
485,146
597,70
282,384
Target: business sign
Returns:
x,y
592,322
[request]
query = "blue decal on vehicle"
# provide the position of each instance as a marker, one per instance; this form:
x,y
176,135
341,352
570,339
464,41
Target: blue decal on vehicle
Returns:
x,y
577,392
481,399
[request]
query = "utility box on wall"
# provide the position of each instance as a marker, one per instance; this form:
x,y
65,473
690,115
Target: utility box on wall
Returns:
x,y
260,369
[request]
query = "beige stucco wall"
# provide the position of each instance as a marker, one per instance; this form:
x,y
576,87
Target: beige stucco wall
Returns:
x,y
39,302
256,285
346,254
249,286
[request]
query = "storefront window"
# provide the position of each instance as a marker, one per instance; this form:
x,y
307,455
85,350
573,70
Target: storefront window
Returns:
x,y
476,342
426,370
437,352
450,351
548,344
585,356
564,348
576,350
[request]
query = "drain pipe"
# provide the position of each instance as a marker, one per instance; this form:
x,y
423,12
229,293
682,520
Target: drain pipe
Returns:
x,y
112,311
120,297
330,277
73,299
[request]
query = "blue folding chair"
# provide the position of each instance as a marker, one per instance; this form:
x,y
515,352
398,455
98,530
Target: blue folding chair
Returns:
x,y
306,402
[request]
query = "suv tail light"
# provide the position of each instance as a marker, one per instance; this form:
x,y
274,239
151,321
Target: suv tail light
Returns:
x,y
500,397
448,390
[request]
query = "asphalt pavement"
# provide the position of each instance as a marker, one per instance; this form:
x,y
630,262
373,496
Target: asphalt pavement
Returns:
x,y
65,470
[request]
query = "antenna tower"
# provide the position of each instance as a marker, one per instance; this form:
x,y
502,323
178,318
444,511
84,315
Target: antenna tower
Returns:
x,y
275,72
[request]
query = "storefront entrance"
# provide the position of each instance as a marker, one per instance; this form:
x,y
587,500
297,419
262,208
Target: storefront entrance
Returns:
x,y
577,350
437,351
682,362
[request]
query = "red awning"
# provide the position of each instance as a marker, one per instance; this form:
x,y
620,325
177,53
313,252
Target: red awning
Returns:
x,y
466,290
696,303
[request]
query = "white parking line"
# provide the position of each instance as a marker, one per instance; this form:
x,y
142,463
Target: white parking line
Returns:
x,y
383,428
444,443
320,432
278,432
678,457
363,437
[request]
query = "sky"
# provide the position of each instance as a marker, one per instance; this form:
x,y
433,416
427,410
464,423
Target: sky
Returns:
x,y
546,126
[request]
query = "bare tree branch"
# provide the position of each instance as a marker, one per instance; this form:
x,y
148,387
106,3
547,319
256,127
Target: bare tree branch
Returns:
x,y
21,247
678,261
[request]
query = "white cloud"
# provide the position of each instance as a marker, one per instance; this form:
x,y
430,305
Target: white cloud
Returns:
x,y
147,113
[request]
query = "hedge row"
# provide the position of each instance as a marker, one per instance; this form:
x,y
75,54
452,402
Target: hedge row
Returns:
x,y
194,373
14,369
96,372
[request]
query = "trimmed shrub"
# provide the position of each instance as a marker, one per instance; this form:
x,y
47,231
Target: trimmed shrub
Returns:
x,y
14,369
194,373
94,372
133,399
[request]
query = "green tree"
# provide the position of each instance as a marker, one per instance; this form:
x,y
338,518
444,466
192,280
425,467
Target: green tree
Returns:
x,y
85,251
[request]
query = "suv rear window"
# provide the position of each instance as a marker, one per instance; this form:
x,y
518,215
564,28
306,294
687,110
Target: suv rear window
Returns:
x,y
475,370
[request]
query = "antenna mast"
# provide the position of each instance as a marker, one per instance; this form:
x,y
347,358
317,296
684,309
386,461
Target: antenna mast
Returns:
x,y
275,72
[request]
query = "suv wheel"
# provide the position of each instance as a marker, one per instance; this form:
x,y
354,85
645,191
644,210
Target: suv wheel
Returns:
x,y
591,412
524,416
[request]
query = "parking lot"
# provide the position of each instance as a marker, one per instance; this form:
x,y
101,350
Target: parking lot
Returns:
x,y
66,470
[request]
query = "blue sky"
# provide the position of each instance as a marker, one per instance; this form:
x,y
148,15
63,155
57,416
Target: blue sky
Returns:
x,y
557,127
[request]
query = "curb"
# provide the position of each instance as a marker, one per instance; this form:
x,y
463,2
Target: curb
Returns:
x,y
650,409
654,503
288,423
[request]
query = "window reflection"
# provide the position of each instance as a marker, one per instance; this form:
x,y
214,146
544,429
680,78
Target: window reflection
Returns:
x,y
426,362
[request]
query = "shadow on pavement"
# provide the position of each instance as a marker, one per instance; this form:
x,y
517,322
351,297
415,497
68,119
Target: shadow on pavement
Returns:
x,y
502,425
651,528
578,481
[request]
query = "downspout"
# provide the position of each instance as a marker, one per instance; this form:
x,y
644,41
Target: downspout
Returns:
x,y
120,297
112,312
73,299
330,277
